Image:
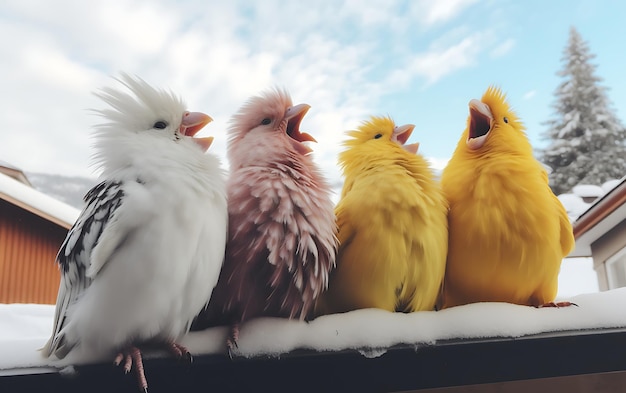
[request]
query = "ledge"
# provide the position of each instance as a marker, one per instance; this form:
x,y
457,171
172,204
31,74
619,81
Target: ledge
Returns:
x,y
401,368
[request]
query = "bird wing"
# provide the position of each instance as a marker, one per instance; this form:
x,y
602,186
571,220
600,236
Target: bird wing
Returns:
x,y
567,234
345,229
280,249
78,268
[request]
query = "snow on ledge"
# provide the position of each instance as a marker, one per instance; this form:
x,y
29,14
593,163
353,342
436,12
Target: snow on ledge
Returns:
x,y
37,202
25,328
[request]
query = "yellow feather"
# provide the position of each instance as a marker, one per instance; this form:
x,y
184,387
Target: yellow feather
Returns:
x,y
392,227
508,231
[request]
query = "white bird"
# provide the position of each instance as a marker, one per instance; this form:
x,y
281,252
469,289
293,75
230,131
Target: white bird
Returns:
x,y
144,256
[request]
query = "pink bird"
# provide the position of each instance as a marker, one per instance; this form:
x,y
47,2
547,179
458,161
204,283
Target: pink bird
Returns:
x,y
282,232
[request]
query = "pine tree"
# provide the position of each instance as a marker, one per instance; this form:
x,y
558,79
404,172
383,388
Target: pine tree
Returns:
x,y
587,140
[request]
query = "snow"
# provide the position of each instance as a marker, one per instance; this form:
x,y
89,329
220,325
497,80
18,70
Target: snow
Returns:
x,y
24,328
588,190
577,276
611,184
574,205
37,200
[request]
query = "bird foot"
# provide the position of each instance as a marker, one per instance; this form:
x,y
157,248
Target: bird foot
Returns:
x,y
557,304
179,351
231,340
129,357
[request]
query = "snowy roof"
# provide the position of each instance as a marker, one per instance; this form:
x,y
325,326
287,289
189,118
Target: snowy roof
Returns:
x,y
14,172
574,205
37,202
610,184
605,213
10,166
588,190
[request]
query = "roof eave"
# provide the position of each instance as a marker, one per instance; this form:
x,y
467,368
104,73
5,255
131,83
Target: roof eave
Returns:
x,y
36,202
601,217
40,213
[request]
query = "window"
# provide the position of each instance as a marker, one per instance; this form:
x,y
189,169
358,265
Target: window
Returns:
x,y
616,269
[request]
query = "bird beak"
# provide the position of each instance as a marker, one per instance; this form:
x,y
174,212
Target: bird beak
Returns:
x,y
402,133
192,123
412,148
204,143
480,123
294,116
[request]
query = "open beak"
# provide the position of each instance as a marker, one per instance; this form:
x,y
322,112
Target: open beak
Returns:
x,y
294,116
480,123
192,123
412,147
401,134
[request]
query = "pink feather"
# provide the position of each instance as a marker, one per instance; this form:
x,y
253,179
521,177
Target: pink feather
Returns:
x,y
282,232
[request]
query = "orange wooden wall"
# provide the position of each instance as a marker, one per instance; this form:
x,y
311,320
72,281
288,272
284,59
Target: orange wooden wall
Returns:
x,y
28,247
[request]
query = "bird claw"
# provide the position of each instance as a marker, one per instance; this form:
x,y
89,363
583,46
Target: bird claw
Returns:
x,y
128,365
230,346
231,340
557,304
118,359
131,356
180,351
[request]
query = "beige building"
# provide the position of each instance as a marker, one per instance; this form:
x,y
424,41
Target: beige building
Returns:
x,y
600,233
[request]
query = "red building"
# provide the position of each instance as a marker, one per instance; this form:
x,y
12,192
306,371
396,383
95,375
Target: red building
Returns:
x,y
32,228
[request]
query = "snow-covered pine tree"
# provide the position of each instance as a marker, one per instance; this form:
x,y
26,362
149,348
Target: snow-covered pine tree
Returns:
x,y
588,142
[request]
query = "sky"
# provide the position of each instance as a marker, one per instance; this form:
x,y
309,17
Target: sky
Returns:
x,y
418,61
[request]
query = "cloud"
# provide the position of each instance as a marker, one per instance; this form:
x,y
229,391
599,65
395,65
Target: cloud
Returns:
x,y
215,59
441,61
438,163
432,12
502,48
529,94
334,57
374,13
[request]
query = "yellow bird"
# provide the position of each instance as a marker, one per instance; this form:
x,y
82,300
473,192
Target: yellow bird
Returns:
x,y
392,222
508,231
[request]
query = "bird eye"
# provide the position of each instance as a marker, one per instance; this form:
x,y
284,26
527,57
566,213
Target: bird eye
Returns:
x,y
266,121
378,136
160,125
506,120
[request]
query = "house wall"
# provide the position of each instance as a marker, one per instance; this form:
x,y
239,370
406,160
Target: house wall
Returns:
x,y
605,247
28,247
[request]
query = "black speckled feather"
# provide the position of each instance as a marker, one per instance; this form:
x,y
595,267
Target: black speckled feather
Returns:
x,y
74,256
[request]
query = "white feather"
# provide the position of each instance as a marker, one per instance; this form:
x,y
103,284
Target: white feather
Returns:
x,y
145,254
